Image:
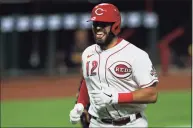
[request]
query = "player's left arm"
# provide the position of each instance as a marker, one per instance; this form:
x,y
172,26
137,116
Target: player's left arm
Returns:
x,y
142,96
146,77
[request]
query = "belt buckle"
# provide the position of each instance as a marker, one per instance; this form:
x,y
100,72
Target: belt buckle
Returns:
x,y
119,119
113,122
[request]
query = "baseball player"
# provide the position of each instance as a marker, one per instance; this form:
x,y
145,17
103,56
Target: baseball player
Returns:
x,y
119,77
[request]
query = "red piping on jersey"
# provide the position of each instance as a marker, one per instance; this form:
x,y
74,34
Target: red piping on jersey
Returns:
x,y
150,83
106,66
118,40
109,57
99,64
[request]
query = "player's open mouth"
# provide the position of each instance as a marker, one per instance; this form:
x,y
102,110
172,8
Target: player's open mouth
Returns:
x,y
100,35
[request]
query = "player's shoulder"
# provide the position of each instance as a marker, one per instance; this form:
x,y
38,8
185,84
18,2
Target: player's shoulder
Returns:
x,y
137,52
89,50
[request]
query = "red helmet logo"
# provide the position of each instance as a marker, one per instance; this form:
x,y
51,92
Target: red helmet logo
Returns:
x,y
99,11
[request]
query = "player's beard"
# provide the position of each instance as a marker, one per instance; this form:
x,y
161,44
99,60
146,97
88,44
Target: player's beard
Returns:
x,y
104,43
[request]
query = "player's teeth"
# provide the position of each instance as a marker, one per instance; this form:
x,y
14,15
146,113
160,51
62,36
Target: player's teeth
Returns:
x,y
99,35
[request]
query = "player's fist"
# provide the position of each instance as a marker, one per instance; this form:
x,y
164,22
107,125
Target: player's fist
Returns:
x,y
104,97
76,112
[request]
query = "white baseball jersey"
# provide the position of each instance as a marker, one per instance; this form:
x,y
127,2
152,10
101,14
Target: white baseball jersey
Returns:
x,y
123,68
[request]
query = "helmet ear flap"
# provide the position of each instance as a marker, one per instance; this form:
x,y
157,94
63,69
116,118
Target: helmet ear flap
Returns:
x,y
116,27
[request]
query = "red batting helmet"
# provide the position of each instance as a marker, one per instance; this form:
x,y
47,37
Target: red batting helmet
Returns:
x,y
106,12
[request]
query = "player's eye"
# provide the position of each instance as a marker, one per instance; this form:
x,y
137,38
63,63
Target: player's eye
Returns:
x,y
101,24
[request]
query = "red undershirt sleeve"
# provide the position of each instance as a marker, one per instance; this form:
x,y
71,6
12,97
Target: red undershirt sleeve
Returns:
x,y
83,94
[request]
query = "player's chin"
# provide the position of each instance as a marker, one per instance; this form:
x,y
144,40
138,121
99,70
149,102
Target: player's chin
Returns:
x,y
99,42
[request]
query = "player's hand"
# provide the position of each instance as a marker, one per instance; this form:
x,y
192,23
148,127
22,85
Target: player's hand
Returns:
x,y
104,97
76,112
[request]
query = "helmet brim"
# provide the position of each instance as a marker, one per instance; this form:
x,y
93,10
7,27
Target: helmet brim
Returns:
x,y
89,20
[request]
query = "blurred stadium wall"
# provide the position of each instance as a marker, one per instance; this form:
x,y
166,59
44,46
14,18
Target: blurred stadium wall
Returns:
x,y
46,37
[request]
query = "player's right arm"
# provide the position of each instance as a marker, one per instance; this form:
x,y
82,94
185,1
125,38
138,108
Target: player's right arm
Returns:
x,y
83,97
82,102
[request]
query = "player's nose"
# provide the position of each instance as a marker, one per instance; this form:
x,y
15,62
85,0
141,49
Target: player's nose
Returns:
x,y
98,28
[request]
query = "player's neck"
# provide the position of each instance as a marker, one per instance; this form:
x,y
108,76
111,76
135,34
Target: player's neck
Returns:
x,y
112,44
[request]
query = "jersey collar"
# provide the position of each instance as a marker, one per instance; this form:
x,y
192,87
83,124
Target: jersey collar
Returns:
x,y
116,46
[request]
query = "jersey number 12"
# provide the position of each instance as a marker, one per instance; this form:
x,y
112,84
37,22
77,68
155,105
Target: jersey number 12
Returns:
x,y
91,71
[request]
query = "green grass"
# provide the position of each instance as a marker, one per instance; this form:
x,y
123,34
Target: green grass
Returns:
x,y
38,113
171,109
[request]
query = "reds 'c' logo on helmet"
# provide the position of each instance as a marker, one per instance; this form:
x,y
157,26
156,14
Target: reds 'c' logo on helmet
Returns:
x,y
99,11
106,12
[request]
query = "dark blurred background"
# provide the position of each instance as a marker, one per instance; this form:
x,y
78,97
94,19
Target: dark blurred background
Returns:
x,y
48,36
